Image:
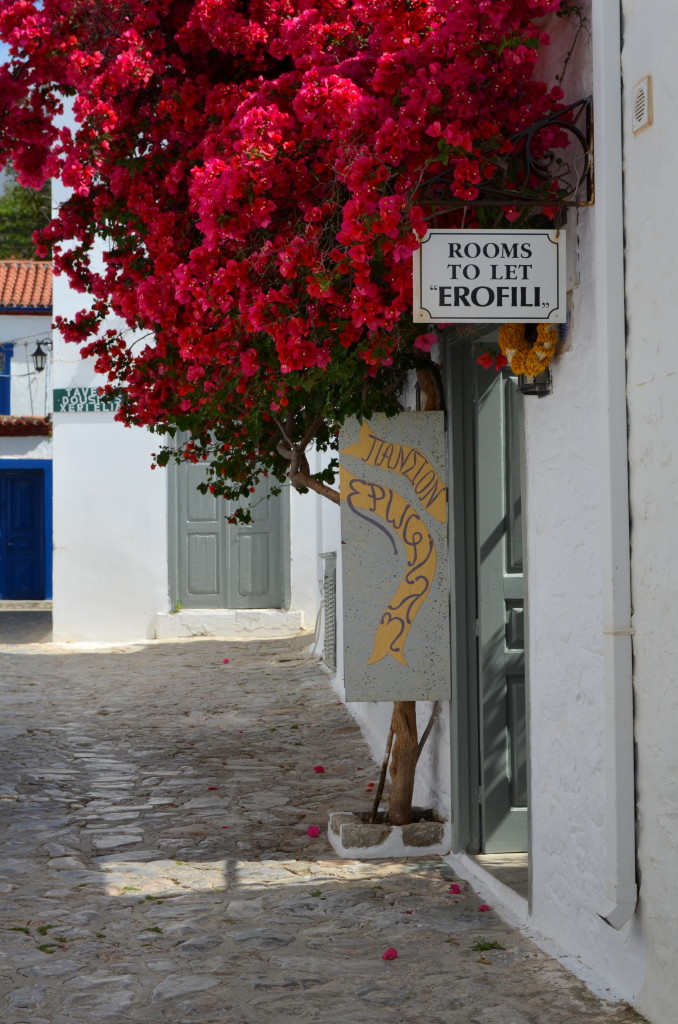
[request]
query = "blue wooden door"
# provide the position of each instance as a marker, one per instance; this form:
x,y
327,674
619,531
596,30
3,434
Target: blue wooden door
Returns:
x,y
22,536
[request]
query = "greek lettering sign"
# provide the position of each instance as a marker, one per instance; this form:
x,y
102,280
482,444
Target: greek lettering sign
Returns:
x,y
490,276
394,557
81,400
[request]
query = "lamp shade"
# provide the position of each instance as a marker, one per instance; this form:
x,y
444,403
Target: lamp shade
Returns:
x,y
39,356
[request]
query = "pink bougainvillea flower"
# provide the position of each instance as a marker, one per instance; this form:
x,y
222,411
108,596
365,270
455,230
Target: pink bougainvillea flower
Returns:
x,y
318,768
313,830
425,342
455,888
225,661
390,954
483,906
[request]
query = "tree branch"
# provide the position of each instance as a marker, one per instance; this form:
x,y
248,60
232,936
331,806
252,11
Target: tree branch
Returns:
x,y
382,778
299,476
427,731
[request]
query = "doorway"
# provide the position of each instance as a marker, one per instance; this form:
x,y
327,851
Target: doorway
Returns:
x,y
214,564
490,760
25,529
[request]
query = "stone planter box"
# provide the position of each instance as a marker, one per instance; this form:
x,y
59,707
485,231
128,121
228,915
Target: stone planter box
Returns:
x,y
352,838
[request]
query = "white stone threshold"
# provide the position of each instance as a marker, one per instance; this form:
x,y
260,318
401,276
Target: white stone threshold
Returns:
x,y
229,623
25,606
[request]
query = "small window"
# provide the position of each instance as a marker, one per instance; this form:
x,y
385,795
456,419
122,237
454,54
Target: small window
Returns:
x,y
5,378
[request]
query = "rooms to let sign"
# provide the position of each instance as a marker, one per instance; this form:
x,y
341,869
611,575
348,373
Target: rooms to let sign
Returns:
x,y
490,277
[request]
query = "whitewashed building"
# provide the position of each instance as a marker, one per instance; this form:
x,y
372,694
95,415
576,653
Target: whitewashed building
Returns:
x,y
559,765
555,754
141,554
25,441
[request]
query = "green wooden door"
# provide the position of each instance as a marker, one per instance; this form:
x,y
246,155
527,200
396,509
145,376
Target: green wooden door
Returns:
x,y
219,565
500,612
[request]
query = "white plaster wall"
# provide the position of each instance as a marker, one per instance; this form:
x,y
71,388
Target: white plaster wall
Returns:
x,y
565,657
110,531
110,511
39,447
565,648
305,544
30,392
651,217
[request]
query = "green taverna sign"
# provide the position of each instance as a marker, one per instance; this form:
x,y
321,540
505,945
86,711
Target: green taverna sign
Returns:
x,y
81,400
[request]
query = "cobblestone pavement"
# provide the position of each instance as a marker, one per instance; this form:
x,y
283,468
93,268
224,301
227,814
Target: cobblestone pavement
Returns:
x,y
25,627
155,864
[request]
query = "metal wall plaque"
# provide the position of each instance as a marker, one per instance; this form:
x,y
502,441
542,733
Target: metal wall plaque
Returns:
x,y
394,558
490,277
81,400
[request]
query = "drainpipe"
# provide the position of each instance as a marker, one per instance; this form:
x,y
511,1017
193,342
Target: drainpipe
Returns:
x,y
621,894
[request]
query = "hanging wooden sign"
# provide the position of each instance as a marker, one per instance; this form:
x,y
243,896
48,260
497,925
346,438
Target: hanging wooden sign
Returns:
x,y
394,557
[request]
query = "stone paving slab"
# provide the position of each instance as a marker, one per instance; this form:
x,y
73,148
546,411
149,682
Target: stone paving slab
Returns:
x,y
155,864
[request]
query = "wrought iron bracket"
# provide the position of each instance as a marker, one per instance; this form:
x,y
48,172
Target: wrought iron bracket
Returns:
x,y
569,170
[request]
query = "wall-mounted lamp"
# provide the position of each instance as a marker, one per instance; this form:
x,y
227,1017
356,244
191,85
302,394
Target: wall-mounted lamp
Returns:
x,y
539,386
39,357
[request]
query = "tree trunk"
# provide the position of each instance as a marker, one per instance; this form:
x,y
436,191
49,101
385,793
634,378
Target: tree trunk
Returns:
x,y
404,757
299,473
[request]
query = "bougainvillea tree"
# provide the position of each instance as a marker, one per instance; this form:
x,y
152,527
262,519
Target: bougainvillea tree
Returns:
x,y
249,166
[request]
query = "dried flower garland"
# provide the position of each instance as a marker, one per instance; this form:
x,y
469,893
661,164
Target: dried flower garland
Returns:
x,y
524,357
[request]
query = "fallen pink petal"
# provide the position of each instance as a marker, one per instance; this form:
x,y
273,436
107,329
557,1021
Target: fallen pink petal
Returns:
x,y
483,906
318,768
225,661
313,830
455,888
390,954
213,787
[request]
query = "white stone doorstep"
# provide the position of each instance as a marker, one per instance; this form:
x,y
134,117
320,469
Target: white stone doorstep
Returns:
x,y
25,606
228,623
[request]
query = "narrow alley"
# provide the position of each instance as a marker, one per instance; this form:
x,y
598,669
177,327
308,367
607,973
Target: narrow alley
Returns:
x,y
156,863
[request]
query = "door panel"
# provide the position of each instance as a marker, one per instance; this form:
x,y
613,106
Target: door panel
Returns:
x,y
499,574
22,542
253,560
202,562
219,565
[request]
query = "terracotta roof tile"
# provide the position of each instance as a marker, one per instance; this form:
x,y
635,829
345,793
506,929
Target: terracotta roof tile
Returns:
x,y
25,284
